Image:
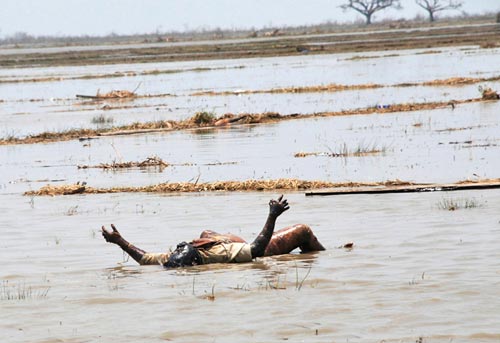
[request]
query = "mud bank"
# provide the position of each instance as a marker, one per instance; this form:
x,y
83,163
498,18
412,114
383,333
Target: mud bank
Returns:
x,y
484,35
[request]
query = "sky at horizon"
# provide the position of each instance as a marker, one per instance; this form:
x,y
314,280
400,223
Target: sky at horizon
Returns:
x,y
103,17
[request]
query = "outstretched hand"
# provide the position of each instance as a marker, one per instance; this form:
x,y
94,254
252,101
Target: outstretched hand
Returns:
x,y
111,236
277,207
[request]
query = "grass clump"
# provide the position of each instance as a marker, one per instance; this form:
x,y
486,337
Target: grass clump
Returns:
x,y
457,204
102,119
488,94
152,161
21,292
344,151
204,117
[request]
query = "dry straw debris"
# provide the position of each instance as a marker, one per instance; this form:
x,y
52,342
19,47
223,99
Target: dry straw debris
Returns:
x,y
360,152
152,161
114,94
334,87
120,94
218,186
488,93
209,120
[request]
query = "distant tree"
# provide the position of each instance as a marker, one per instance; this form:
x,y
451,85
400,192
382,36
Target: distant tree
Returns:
x,y
433,6
368,7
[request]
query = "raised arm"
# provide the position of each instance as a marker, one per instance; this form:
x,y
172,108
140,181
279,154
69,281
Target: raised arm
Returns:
x,y
276,208
116,238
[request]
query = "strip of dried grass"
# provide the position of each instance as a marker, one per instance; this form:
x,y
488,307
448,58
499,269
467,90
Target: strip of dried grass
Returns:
x,y
113,75
489,94
225,120
114,94
452,81
148,162
360,153
333,87
218,186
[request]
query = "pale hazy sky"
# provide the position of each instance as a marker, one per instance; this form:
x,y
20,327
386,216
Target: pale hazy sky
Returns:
x,y
102,17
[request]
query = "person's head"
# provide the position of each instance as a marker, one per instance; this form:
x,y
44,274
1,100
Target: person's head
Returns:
x,y
184,255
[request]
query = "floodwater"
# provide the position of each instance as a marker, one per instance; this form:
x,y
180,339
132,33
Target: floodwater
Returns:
x,y
417,271
34,107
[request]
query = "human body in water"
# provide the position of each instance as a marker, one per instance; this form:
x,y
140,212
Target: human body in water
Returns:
x,y
213,247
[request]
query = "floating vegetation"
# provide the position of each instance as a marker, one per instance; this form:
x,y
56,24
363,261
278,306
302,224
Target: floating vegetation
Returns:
x,y
308,89
488,93
205,121
218,186
333,87
152,161
366,57
117,74
456,204
202,118
114,94
390,186
451,129
454,81
411,187
102,119
344,151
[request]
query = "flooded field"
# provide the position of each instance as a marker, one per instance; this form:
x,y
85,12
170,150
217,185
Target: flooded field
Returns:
x,y
424,268
34,107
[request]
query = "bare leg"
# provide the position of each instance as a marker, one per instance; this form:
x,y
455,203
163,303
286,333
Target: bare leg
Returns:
x,y
298,236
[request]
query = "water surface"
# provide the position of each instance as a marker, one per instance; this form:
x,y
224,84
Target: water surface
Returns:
x,y
417,272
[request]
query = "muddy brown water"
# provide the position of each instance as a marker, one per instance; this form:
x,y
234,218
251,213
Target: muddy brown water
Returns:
x,y
417,271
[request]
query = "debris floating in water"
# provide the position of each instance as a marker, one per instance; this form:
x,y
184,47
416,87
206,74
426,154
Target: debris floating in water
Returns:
x,y
411,188
203,121
488,93
224,186
313,187
115,94
152,161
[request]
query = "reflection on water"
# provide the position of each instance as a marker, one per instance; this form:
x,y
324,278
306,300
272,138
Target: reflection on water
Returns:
x,y
35,107
455,144
417,272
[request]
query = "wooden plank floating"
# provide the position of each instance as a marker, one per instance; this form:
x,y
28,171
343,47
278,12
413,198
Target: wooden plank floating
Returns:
x,y
431,187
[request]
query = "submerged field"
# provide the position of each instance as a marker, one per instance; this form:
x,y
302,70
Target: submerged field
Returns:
x,y
424,267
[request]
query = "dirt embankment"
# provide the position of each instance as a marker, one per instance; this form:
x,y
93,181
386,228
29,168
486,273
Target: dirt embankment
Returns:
x,y
392,39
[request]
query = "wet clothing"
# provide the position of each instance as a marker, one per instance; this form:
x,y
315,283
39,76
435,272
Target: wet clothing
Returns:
x,y
226,253
154,258
210,251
